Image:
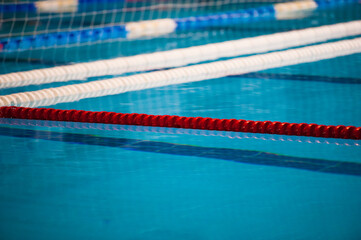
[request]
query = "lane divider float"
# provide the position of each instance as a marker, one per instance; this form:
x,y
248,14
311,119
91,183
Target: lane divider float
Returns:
x,y
160,27
181,57
200,72
234,125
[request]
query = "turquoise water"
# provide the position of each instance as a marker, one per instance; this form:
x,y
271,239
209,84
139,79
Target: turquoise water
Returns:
x,y
93,181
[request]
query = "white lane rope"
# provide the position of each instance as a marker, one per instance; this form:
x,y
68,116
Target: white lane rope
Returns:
x,y
181,57
71,93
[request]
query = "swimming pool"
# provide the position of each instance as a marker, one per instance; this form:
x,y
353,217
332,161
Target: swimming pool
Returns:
x,y
63,180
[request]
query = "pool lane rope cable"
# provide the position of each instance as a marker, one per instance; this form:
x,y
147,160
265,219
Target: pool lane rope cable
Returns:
x,y
236,66
70,6
181,57
52,6
159,27
265,127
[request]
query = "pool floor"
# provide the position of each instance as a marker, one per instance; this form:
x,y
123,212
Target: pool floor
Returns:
x,y
96,181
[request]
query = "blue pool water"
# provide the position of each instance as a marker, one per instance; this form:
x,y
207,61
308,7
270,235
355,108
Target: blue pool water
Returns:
x,y
93,181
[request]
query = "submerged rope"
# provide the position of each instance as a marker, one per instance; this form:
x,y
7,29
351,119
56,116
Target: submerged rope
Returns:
x,y
177,131
234,125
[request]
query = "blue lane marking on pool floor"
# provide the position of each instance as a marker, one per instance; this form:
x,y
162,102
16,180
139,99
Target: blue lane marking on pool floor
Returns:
x,y
299,77
235,155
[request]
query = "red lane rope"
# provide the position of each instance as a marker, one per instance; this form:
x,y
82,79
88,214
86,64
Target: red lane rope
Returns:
x,y
280,128
178,131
